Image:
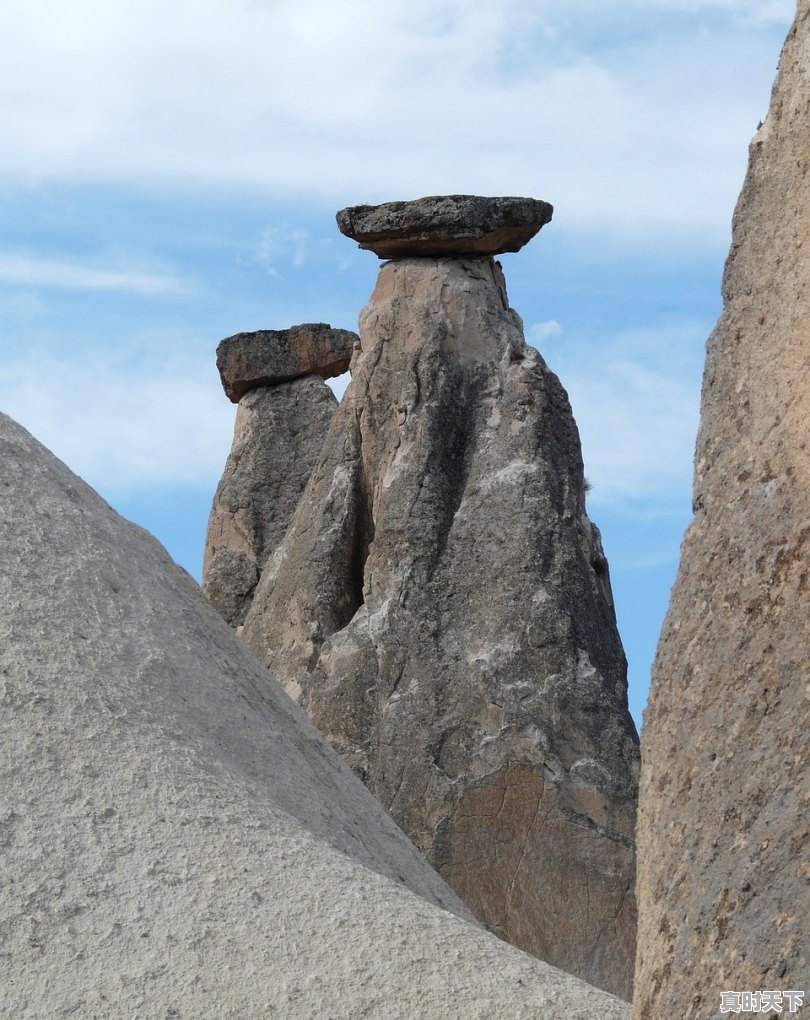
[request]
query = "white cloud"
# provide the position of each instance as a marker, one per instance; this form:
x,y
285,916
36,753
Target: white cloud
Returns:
x,y
362,101
757,12
284,245
540,332
121,428
37,272
338,385
766,12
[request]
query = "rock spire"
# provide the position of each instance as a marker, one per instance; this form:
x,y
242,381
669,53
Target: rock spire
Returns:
x,y
285,408
440,605
724,841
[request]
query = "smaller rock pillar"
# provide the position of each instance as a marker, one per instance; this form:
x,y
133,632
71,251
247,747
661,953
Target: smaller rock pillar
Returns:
x,y
285,407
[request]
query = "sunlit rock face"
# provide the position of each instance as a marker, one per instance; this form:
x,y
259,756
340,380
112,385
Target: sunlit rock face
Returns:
x,y
441,608
723,830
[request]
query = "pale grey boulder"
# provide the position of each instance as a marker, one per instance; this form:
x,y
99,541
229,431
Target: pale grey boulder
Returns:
x,y
176,839
441,608
278,434
724,840
445,225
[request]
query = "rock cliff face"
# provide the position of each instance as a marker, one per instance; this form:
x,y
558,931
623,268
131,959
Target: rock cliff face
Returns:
x,y
176,839
723,824
441,608
285,408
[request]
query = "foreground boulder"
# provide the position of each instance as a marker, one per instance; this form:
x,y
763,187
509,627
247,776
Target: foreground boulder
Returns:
x,y
724,839
176,839
441,608
445,225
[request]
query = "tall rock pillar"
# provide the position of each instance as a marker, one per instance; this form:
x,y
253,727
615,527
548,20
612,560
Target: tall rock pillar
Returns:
x,y
723,831
441,605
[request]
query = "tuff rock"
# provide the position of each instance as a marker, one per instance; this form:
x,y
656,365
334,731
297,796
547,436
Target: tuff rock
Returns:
x,y
270,356
277,440
723,826
177,840
445,225
441,608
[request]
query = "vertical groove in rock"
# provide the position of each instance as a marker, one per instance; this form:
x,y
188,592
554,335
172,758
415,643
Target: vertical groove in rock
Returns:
x,y
479,687
723,832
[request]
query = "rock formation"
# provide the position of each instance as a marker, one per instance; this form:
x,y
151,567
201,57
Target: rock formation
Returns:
x,y
723,823
441,608
284,411
176,839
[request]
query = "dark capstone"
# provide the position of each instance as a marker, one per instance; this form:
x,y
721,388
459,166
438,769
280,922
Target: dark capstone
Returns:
x,y
445,225
271,356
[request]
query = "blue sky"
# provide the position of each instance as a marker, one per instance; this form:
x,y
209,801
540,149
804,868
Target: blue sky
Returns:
x,y
169,175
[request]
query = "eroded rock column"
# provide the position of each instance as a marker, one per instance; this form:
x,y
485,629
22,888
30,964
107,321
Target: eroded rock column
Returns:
x,y
724,839
285,407
441,605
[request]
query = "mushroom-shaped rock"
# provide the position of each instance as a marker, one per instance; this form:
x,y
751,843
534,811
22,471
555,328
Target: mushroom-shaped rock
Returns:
x,y
440,606
270,356
445,225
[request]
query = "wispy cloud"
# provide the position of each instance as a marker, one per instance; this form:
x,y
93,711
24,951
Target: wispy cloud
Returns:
x,y
36,272
541,332
282,246
123,427
759,12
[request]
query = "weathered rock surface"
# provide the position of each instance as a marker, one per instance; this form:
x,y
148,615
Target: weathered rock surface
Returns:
x,y
445,225
270,356
441,608
277,441
177,840
723,826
